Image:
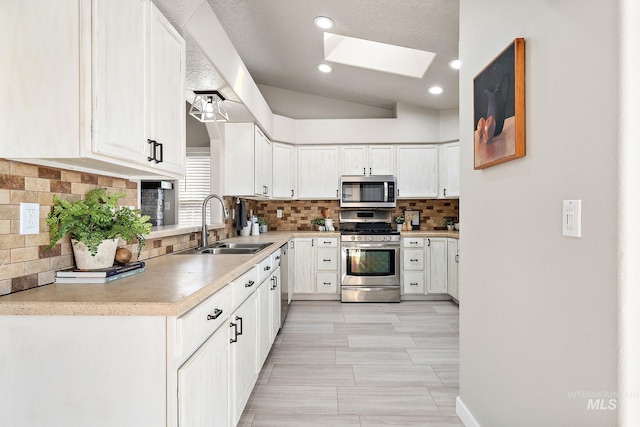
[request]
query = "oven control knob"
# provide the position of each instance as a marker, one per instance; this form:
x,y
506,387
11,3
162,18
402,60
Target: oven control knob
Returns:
x,y
353,237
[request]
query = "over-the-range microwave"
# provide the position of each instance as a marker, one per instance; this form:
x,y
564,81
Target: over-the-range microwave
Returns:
x,y
374,191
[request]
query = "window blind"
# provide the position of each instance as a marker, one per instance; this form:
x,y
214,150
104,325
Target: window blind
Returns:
x,y
195,186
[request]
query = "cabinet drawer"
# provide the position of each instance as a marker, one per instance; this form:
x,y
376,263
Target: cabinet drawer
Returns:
x,y
413,242
327,242
264,269
413,283
244,285
326,283
198,324
327,259
413,259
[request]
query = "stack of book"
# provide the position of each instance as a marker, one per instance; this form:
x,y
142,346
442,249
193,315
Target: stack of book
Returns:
x,y
103,275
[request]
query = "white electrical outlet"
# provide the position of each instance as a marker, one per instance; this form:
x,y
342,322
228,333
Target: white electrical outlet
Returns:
x,y
279,213
167,206
29,218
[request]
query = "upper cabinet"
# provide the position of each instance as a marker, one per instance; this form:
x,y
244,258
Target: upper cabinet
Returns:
x,y
368,160
113,79
247,160
318,172
449,182
417,171
284,171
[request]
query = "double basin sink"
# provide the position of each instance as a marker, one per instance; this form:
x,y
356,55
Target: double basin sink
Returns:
x,y
226,248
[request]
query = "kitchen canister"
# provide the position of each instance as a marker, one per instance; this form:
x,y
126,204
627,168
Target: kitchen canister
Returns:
x,y
246,230
255,229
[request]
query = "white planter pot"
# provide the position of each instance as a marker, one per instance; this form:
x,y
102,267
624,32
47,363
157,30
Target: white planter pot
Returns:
x,y
399,227
102,259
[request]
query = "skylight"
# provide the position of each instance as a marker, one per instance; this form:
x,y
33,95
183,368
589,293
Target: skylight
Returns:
x,y
376,56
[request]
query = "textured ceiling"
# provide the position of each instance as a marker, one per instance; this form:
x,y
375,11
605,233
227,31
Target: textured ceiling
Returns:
x,y
280,46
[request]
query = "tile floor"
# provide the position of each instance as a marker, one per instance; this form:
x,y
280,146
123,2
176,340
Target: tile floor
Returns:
x,y
360,365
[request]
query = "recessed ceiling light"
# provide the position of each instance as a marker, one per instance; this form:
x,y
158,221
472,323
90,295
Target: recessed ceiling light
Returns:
x,y
455,64
435,90
323,22
324,68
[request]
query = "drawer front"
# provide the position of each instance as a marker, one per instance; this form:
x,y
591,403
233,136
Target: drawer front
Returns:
x,y
276,257
413,283
413,259
327,242
326,283
194,327
244,285
413,242
264,269
327,260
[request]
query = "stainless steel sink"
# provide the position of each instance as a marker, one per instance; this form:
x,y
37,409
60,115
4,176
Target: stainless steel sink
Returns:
x,y
228,248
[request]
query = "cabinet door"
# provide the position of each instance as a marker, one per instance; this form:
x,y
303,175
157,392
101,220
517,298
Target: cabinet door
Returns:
x,y
284,171
243,355
452,267
165,108
436,265
413,283
318,172
274,303
381,160
304,267
239,177
202,384
264,322
416,172
354,160
119,67
450,170
262,164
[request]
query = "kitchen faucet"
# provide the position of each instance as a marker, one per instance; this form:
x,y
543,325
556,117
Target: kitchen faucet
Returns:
x,y
205,232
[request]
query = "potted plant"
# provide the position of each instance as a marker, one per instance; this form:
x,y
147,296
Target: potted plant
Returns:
x,y
448,222
263,224
399,220
318,224
94,225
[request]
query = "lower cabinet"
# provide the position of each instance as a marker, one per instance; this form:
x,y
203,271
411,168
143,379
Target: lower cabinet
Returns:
x,y
426,265
452,267
436,249
202,387
317,264
242,355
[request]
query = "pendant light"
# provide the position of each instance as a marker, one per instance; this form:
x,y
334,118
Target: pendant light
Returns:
x,y
208,106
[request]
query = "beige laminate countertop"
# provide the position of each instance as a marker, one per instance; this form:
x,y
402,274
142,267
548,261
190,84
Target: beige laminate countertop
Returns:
x,y
171,285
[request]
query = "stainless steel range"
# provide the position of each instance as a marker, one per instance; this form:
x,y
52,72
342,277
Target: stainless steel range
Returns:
x,y
370,257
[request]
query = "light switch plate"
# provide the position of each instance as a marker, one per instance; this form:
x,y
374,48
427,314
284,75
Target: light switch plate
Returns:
x,y
29,218
572,218
279,213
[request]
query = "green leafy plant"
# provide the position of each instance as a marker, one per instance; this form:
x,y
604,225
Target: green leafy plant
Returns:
x,y
399,219
317,221
448,221
261,221
95,219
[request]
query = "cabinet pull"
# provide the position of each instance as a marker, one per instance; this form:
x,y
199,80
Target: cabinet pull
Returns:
x,y
398,192
337,195
326,283
428,242
274,279
413,260
278,257
413,243
152,150
239,319
161,159
216,313
267,268
235,332
291,193
457,258
445,192
413,284
370,173
364,171
249,284
326,243
326,260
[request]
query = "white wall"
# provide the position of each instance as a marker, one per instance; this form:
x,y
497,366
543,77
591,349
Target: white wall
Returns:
x,y
538,310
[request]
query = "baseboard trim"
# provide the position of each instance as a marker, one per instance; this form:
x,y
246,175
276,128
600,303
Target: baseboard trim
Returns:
x,y
465,414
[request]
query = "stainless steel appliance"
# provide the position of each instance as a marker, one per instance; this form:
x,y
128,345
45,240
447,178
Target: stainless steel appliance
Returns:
x,y
368,191
370,250
286,282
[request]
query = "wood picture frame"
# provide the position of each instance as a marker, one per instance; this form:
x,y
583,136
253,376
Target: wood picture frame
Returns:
x,y
499,108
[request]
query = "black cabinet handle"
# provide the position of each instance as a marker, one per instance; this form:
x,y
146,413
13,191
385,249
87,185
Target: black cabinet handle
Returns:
x,y
216,313
291,193
413,243
249,284
326,283
152,150
267,268
428,242
398,192
239,319
413,260
326,260
161,159
364,171
413,284
337,195
370,173
235,332
445,192
457,258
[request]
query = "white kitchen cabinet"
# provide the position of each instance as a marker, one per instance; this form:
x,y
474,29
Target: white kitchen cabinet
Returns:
x,y
413,283
93,102
243,355
247,159
203,397
417,171
318,172
449,170
368,160
452,267
436,265
304,266
264,321
274,303
284,171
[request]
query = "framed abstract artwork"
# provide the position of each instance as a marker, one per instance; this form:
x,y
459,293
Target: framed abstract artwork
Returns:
x,y
498,108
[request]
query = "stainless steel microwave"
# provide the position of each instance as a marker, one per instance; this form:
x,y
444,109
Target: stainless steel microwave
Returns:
x,y
375,191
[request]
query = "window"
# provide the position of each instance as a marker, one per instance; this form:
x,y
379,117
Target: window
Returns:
x,y
195,186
